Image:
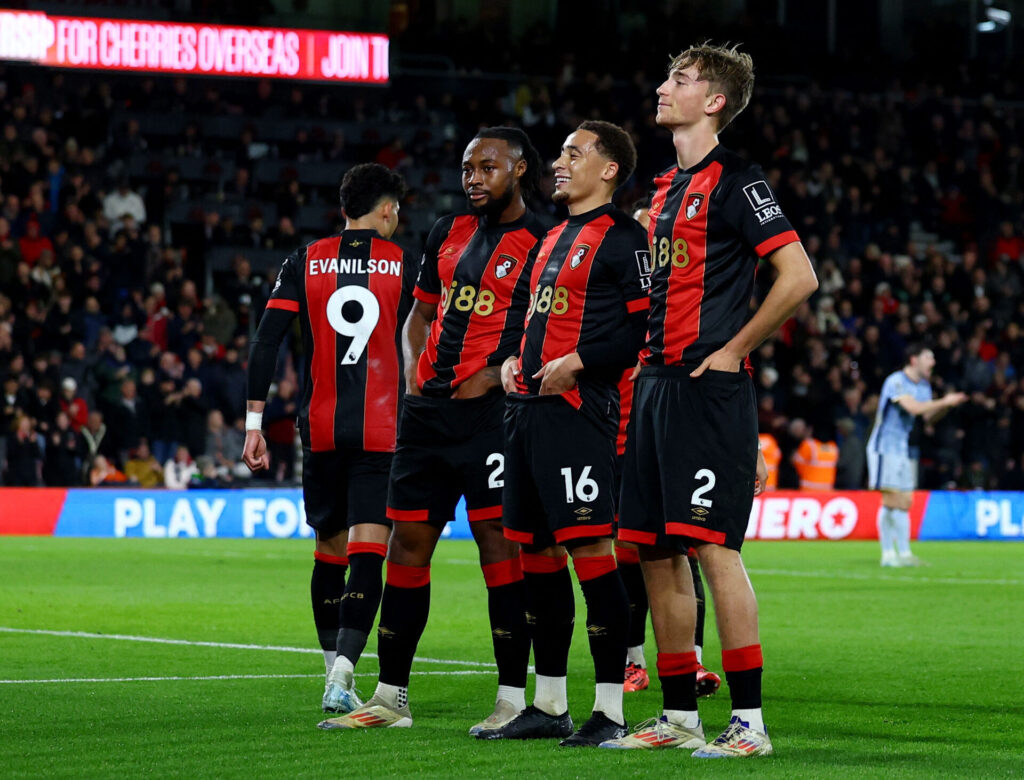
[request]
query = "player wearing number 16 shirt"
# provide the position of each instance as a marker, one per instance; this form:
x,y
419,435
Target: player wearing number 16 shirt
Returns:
x,y
585,325
351,293
472,294
691,449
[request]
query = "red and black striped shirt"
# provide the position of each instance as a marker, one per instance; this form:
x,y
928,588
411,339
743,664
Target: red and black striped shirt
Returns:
x,y
478,273
352,293
709,226
588,296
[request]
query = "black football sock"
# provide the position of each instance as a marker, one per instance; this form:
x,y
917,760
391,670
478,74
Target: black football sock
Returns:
x,y
403,616
326,587
607,615
362,597
551,612
743,667
698,589
677,673
636,594
506,607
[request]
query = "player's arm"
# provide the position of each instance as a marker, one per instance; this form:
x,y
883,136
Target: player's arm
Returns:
x,y
620,257
795,283
932,411
414,340
277,319
427,292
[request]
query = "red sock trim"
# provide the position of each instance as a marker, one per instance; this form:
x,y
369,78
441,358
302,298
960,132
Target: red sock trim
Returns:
x,y
672,664
503,572
742,658
407,576
337,560
374,548
592,567
628,555
542,564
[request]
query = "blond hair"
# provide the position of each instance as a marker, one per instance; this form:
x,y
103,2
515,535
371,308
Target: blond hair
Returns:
x,y
726,69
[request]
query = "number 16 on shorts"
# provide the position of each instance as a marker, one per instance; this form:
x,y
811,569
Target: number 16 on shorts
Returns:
x,y
584,488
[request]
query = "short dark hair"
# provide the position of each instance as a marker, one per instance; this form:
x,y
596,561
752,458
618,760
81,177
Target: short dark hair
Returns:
x,y
364,186
615,144
914,349
529,182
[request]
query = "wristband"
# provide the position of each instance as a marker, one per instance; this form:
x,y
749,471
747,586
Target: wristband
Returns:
x,y
254,421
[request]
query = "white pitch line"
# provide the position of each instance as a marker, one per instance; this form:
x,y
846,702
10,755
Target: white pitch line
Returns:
x,y
829,575
229,645
457,672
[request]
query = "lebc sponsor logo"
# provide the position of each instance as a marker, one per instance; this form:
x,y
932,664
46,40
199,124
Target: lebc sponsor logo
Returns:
x,y
762,201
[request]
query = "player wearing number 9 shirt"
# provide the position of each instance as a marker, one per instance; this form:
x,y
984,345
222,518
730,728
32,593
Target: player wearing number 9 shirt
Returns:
x,y
351,293
472,294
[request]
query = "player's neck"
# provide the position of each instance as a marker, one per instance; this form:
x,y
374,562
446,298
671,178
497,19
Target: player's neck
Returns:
x,y
912,375
693,143
369,222
515,211
589,204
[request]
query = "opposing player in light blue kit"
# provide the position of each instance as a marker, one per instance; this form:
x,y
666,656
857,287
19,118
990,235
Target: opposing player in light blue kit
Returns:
x,y
892,461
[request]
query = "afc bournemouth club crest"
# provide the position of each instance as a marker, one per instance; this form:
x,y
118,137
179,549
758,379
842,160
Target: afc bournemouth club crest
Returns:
x,y
504,265
693,203
579,254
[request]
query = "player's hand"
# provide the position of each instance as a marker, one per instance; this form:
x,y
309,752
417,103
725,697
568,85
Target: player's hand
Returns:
x,y
722,360
254,454
761,480
636,371
559,376
509,372
954,399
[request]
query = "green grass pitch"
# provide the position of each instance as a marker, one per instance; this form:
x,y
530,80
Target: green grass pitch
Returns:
x,y
869,672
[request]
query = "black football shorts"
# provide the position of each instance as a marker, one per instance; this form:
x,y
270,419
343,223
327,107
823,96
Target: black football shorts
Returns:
x,y
559,473
448,448
691,459
342,488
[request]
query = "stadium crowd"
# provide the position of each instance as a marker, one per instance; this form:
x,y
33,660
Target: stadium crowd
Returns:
x,y
142,220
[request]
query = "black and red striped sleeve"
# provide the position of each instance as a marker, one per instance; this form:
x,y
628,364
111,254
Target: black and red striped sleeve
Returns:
x,y
281,309
624,257
751,205
428,283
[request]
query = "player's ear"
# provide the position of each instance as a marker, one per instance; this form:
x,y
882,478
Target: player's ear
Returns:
x,y
611,170
519,169
715,103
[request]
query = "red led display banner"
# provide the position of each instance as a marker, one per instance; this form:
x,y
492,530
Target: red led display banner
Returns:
x,y
201,49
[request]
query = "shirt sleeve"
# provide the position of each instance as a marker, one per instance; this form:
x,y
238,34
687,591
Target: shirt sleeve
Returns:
x,y
281,310
752,206
626,256
286,293
428,283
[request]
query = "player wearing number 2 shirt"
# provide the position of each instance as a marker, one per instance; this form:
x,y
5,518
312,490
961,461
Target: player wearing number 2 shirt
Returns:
x,y
351,293
691,450
472,294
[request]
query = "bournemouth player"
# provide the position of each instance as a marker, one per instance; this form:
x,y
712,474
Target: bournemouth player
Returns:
x,y
627,556
712,216
586,323
351,293
892,461
472,295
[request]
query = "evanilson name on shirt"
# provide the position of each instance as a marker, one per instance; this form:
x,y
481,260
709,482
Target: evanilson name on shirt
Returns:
x,y
354,265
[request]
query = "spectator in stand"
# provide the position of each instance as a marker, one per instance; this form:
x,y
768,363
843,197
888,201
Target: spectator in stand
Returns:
x,y
223,445
24,454
178,471
771,453
97,441
143,469
62,466
124,201
192,413
103,473
279,426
